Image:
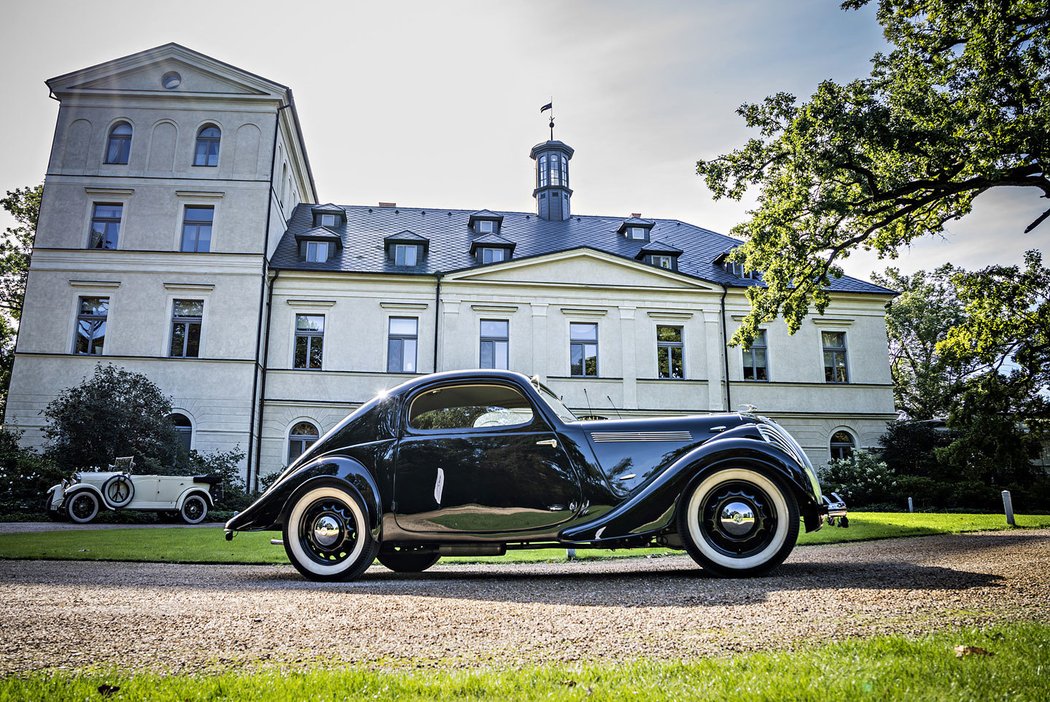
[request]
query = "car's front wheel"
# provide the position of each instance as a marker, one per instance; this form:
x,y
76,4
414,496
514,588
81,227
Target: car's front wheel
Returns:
x,y
738,522
194,509
82,507
406,561
326,535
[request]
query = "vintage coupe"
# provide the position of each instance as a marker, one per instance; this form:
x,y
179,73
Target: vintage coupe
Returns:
x,y
81,498
478,462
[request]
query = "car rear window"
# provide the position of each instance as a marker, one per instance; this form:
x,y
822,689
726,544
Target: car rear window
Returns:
x,y
469,407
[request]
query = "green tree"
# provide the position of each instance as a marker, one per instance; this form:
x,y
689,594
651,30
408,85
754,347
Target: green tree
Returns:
x,y
15,248
959,105
114,413
917,320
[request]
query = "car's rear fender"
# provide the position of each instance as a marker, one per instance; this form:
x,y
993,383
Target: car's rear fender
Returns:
x,y
194,490
651,509
273,506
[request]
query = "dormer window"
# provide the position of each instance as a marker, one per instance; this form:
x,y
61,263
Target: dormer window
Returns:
x,y
737,268
330,216
406,254
317,251
491,254
662,261
636,228
485,222
406,249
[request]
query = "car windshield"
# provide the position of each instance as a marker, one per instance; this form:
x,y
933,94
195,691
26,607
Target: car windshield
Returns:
x,y
563,412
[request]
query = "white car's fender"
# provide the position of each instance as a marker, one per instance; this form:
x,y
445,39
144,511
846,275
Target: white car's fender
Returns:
x,y
81,487
56,494
192,489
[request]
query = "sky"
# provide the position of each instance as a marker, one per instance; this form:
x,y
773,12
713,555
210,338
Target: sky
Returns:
x,y
436,104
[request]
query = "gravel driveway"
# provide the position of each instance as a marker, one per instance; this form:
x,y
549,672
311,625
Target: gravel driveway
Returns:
x,y
190,618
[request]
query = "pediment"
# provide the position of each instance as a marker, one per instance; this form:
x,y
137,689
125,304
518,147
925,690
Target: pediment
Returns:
x,y
143,72
581,267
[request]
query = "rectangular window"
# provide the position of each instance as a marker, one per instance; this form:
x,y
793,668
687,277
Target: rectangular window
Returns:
x,y
196,228
309,341
401,345
186,318
92,313
492,254
662,262
670,352
639,233
105,225
495,342
583,349
328,220
755,359
406,254
835,368
316,251
484,226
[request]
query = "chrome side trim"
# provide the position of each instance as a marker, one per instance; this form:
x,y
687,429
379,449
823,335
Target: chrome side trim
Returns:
x,y
605,437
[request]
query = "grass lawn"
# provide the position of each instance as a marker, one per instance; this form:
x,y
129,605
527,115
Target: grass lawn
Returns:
x,y
181,545
882,668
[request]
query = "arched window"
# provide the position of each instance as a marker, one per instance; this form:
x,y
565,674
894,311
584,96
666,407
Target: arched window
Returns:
x,y
118,147
301,437
184,430
207,152
842,445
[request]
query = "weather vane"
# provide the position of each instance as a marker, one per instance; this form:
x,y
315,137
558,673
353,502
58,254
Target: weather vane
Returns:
x,y
549,106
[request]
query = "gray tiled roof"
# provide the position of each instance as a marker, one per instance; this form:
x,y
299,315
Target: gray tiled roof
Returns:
x,y
449,236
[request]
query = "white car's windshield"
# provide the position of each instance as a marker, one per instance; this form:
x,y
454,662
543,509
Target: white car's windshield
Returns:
x,y
563,412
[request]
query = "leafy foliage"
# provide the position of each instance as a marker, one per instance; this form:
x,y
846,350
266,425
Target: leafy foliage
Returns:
x,y
225,464
114,413
15,248
862,479
959,105
24,476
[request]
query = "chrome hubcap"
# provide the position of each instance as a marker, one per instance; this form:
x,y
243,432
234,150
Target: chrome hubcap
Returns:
x,y
737,518
326,530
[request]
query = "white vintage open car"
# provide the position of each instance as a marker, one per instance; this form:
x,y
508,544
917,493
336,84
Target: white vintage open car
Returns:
x,y
81,498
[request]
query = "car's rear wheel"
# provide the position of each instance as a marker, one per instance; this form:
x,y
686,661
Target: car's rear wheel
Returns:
x,y
326,535
82,507
738,522
407,561
194,509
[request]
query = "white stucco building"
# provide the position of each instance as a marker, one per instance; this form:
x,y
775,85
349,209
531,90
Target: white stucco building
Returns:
x,y
180,237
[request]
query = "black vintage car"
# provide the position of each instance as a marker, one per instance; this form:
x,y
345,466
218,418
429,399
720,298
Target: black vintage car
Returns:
x,y
478,462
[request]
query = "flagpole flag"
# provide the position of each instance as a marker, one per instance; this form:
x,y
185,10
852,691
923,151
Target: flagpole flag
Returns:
x,y
548,106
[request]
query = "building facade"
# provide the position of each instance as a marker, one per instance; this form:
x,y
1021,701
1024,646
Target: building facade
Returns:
x,y
180,237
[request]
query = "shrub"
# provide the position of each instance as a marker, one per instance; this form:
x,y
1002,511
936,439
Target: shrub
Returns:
x,y
24,476
862,479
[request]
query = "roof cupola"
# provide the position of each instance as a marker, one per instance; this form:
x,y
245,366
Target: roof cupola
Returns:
x,y
552,191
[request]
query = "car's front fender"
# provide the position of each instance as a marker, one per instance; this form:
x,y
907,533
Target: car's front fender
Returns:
x,y
651,508
270,510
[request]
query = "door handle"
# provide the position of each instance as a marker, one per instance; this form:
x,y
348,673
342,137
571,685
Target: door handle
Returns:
x,y
553,443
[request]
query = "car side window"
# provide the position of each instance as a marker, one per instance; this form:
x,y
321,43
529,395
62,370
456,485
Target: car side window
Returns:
x,y
469,407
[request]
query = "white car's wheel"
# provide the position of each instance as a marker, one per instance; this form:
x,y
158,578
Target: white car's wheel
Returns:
x,y
194,509
82,506
738,522
326,535
118,491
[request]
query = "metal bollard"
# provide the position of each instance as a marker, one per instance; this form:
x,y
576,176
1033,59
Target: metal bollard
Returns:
x,y
570,554
911,505
1008,506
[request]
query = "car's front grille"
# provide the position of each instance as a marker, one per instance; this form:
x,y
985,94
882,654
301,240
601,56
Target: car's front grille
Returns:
x,y
774,435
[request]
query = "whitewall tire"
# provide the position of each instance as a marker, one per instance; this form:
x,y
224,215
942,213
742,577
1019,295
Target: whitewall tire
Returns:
x,y
82,506
327,535
194,509
738,522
